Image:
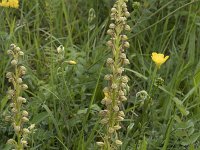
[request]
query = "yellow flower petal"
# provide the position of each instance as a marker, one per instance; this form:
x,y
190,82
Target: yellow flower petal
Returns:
x,y
71,62
159,58
14,3
4,4
10,3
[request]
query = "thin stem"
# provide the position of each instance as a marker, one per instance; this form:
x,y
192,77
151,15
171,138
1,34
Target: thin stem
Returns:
x,y
153,79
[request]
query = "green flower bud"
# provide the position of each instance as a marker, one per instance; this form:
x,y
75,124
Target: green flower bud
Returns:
x,y
126,44
111,130
116,108
113,10
24,142
109,43
19,80
17,129
24,86
12,46
24,113
9,52
17,49
110,61
21,53
25,119
119,118
117,127
121,113
123,55
127,14
14,62
112,26
110,32
101,144
9,75
104,121
32,126
126,62
26,131
118,142
127,28
11,142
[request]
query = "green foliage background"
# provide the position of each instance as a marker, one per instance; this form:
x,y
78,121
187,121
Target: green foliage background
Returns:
x,y
64,100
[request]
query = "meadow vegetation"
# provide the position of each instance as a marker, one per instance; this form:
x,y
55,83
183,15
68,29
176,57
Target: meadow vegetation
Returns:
x,y
64,54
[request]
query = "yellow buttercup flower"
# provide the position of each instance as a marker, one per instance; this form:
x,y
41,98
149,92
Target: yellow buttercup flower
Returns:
x,y
72,62
4,3
10,3
159,58
14,3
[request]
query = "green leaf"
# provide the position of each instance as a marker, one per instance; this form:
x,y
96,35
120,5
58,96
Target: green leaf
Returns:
x,y
179,105
39,117
183,110
185,125
143,145
180,133
130,127
82,111
192,45
55,122
3,102
190,140
197,78
191,147
177,101
95,107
